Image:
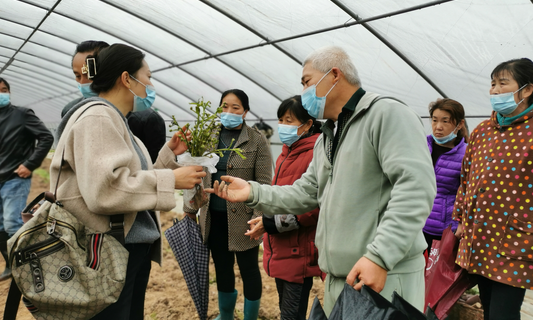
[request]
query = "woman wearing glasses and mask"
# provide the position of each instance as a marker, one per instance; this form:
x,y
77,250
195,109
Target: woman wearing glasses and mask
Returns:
x,y
494,204
224,224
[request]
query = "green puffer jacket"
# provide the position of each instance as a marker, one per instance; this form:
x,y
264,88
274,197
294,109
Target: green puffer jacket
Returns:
x,y
375,197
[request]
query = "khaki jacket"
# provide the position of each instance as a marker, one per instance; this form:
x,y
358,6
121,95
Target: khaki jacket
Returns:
x,y
256,167
102,174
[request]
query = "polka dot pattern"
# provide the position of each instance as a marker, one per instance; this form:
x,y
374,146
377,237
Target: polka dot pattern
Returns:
x,y
495,203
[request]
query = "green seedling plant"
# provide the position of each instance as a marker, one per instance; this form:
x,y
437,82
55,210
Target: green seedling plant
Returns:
x,y
204,132
203,141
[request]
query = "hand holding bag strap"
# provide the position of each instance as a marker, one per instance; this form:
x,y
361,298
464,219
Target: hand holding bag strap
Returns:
x,y
116,222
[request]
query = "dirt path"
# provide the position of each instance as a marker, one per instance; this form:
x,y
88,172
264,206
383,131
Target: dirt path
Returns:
x,y
167,296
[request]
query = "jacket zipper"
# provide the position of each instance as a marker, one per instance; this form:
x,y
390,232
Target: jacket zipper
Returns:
x,y
48,248
268,236
37,227
280,165
66,225
271,254
334,156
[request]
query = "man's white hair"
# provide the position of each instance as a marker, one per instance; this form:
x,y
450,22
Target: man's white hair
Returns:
x,y
325,58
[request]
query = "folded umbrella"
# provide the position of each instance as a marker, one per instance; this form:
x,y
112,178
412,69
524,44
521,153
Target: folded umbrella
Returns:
x,y
185,240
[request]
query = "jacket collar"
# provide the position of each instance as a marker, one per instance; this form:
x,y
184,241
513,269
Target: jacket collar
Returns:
x,y
301,145
243,137
9,106
358,103
494,119
452,150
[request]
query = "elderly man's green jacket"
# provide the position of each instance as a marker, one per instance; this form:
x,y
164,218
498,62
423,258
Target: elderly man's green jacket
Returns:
x,y
374,196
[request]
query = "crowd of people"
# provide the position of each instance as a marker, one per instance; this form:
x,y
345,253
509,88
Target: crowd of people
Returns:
x,y
356,199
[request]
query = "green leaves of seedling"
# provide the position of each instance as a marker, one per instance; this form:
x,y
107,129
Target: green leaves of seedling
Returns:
x,y
204,132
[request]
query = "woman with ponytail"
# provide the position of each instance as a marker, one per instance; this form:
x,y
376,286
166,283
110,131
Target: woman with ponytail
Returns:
x,y
289,253
105,170
447,145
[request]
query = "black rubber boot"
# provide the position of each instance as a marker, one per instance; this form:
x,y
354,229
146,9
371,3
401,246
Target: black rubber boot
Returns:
x,y
3,249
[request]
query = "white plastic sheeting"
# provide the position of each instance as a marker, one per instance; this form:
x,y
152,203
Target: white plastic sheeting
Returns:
x,y
455,45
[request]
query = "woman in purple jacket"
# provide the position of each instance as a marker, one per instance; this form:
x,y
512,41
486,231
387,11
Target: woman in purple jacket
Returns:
x,y
447,146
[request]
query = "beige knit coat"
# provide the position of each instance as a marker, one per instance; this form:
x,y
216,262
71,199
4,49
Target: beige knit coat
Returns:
x,y
102,174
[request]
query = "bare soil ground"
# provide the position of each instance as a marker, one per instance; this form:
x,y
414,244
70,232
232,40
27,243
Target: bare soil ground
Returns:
x,y
167,296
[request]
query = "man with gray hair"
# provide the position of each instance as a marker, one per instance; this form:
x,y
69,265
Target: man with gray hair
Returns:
x,y
372,177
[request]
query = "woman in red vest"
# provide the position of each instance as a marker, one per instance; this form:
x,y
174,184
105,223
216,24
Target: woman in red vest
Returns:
x,y
290,254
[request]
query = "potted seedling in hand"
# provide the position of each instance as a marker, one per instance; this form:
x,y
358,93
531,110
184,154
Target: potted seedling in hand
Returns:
x,y
202,147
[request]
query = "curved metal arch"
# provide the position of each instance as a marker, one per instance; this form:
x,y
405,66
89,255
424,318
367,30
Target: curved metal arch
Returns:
x,y
195,46
390,46
119,37
30,27
311,33
40,77
31,34
181,93
36,43
53,97
25,90
252,30
30,54
36,85
36,66
169,101
37,81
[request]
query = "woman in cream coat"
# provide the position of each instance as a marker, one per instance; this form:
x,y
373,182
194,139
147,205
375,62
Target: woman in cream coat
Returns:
x,y
106,170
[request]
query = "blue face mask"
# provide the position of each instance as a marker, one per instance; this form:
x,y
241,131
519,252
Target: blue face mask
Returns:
x,y
4,99
141,104
288,134
85,89
313,104
446,139
231,120
504,103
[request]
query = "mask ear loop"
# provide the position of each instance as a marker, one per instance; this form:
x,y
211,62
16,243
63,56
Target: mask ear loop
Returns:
x,y
323,77
519,90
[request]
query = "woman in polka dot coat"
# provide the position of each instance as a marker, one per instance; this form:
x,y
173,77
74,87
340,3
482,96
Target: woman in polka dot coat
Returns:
x,y
494,203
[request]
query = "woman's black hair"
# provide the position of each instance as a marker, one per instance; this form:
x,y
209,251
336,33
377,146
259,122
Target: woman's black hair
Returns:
x,y
294,106
90,46
110,63
240,94
520,69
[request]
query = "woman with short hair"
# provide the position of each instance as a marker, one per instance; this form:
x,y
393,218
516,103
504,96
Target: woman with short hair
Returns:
x,y
447,144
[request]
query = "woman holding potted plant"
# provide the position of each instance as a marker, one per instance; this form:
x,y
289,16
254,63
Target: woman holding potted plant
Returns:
x,y
224,224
